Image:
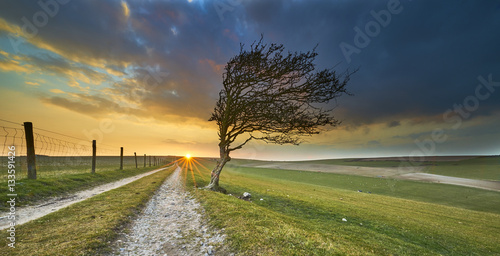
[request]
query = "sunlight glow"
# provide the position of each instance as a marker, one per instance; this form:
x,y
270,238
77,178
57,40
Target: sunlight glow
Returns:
x,y
126,10
190,165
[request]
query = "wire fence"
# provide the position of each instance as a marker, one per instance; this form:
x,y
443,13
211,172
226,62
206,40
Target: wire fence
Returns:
x,y
57,153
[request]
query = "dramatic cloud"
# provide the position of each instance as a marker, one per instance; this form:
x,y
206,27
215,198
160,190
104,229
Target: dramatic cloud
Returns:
x,y
422,64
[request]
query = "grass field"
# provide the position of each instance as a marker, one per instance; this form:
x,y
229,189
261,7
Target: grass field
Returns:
x,y
55,166
482,167
486,168
56,178
457,196
85,228
291,213
301,213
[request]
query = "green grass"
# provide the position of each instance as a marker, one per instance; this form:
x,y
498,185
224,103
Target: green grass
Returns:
x,y
57,166
482,168
457,196
301,214
32,191
85,228
299,217
356,162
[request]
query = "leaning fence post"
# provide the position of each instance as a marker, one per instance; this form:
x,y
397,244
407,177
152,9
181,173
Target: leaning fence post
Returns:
x,y
144,160
30,150
135,156
94,153
121,158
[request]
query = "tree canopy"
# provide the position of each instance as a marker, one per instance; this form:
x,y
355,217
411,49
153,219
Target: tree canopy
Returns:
x,y
274,96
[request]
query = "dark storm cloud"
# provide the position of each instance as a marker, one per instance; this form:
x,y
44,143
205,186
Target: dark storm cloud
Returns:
x,y
62,67
85,30
425,60
393,124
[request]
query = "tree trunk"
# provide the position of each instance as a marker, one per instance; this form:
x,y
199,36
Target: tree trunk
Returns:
x,y
214,180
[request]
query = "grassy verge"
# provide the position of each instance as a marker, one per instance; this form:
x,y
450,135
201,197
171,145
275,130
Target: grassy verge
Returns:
x,y
84,228
296,218
30,191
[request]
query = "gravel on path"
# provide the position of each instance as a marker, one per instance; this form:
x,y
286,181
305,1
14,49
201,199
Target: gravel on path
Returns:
x,y
33,212
172,223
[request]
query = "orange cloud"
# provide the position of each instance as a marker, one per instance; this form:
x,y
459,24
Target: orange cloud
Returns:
x,y
4,53
215,67
38,42
9,28
12,65
229,34
10,62
33,83
126,10
57,91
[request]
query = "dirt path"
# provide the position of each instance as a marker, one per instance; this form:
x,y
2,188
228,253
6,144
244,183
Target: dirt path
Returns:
x,y
414,173
342,169
29,213
170,224
434,178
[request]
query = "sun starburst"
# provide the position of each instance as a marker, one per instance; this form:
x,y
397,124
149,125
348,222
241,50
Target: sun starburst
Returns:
x,y
192,165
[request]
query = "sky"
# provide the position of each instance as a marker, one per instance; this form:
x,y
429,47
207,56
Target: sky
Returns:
x,y
145,75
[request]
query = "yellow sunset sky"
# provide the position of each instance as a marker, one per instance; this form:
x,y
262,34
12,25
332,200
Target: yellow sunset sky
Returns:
x,y
145,75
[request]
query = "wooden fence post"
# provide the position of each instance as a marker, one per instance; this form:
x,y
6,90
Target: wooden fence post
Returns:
x,y
154,160
121,158
30,150
144,160
150,161
135,156
94,154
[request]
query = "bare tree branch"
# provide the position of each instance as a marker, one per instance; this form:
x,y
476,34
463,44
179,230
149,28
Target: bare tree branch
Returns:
x,y
274,96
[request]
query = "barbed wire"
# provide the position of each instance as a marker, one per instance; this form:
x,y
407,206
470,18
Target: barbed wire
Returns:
x,y
10,122
12,137
56,151
49,145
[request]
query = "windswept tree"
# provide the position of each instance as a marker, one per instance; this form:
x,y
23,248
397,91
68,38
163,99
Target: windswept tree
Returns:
x,y
272,96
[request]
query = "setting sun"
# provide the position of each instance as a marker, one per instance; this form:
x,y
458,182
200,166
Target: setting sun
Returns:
x,y
188,156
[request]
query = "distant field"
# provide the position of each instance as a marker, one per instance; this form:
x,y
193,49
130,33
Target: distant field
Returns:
x,y
487,168
457,196
310,213
471,167
482,167
53,166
